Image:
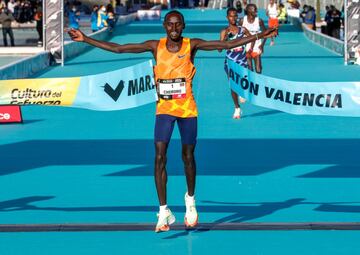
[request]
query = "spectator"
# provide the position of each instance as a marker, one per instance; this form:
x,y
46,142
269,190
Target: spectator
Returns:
x,y
102,17
327,20
113,3
2,4
294,4
67,8
239,8
94,18
39,24
304,11
110,17
16,10
244,4
28,12
23,12
74,18
11,6
309,17
5,19
357,55
282,14
335,21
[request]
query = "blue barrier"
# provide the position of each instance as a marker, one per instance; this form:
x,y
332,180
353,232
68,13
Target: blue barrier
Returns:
x,y
25,67
325,41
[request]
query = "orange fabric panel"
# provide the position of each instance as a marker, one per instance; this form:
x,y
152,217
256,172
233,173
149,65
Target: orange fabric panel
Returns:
x,y
273,22
171,65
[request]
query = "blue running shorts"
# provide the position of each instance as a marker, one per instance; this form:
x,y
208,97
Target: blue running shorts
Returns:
x,y
164,126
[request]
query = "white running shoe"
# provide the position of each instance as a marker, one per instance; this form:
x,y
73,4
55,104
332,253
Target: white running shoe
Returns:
x,y
191,216
237,113
165,219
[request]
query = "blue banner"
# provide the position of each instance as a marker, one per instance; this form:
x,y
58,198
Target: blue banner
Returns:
x,y
314,98
121,89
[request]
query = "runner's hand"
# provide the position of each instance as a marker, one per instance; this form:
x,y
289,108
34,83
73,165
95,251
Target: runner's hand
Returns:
x,y
76,35
270,32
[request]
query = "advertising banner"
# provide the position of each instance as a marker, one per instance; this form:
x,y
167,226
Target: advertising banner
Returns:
x,y
314,98
10,114
121,89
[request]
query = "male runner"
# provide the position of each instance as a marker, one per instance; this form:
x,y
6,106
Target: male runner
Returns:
x,y
254,25
174,72
237,54
272,12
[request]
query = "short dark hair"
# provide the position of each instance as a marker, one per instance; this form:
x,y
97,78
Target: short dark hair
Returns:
x,y
251,5
175,12
231,9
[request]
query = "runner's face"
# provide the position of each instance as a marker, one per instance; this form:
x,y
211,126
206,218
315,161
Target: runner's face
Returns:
x,y
252,11
174,26
232,18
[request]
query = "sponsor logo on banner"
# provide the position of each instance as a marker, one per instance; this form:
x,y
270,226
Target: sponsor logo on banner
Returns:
x,y
55,91
140,85
10,114
135,87
114,93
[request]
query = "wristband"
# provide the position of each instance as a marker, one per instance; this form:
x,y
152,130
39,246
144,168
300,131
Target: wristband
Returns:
x,y
257,37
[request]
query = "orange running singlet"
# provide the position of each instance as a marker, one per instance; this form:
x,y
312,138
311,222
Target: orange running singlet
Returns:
x,y
173,75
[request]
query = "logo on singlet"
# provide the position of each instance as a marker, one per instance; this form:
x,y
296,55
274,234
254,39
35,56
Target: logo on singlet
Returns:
x,y
181,56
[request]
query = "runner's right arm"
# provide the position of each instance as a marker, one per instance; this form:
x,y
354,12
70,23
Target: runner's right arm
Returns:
x,y
78,36
199,44
223,36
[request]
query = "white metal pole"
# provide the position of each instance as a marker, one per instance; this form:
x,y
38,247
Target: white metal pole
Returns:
x,y
62,34
43,25
345,32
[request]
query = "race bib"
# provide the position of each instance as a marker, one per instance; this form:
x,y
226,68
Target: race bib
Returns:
x,y
172,88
